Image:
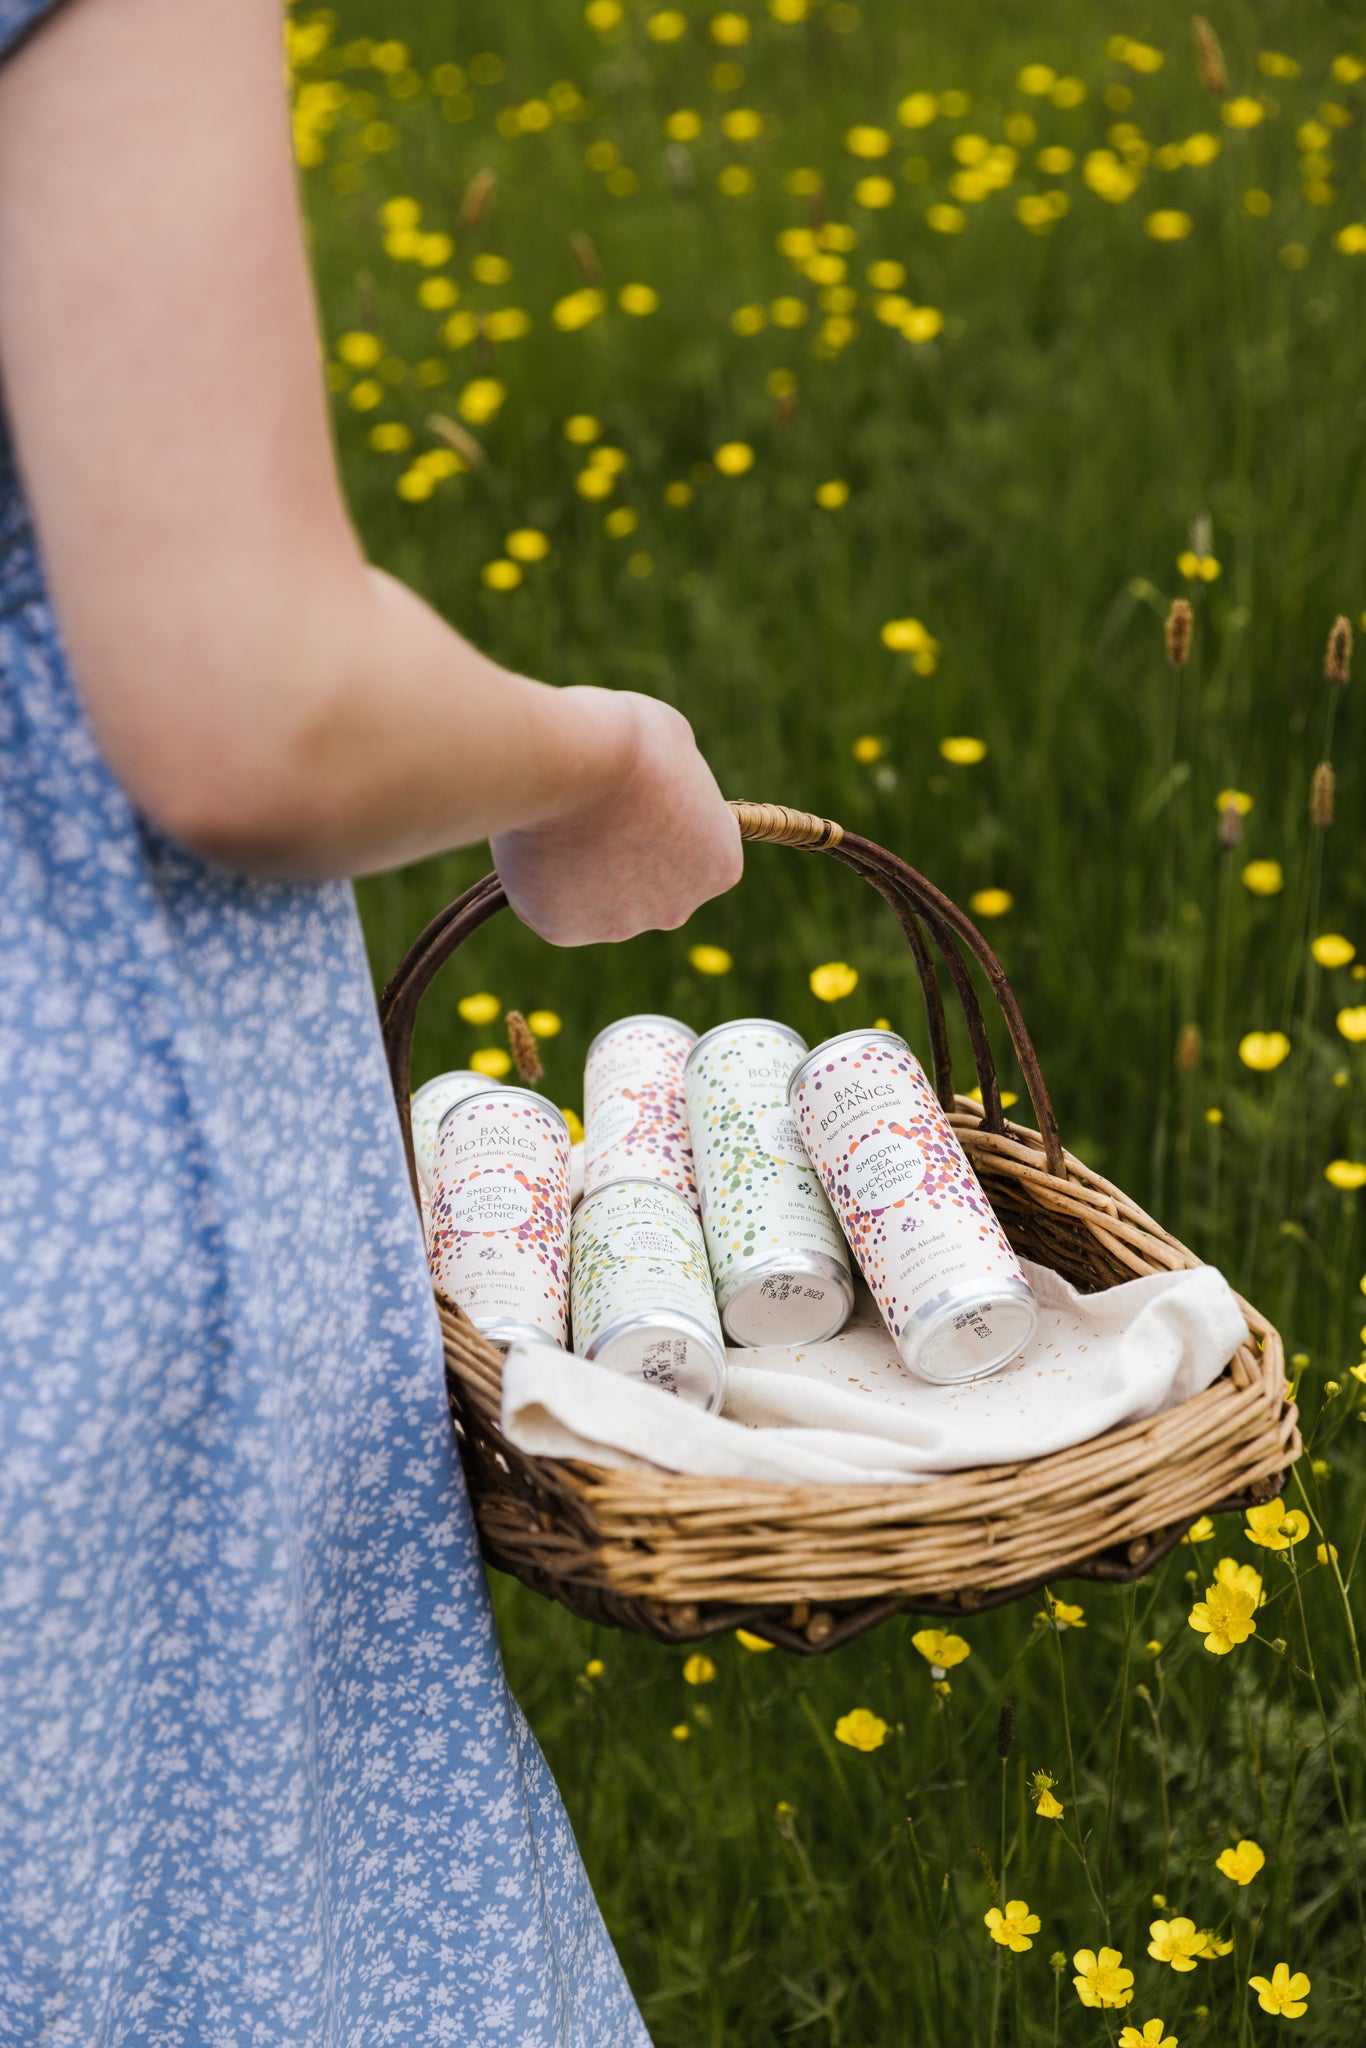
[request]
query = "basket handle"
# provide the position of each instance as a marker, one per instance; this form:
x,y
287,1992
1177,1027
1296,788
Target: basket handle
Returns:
x,y
923,912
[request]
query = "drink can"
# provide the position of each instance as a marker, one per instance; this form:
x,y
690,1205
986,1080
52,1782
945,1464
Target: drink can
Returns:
x,y
635,1127
927,1240
429,1105
499,1242
641,1291
778,1258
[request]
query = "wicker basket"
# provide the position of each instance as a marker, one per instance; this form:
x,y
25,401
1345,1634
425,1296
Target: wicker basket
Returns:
x,y
809,1567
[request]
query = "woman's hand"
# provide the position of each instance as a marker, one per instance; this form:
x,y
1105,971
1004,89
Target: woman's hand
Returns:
x,y
652,843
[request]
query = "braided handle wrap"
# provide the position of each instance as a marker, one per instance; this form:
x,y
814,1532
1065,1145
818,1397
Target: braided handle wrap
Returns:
x,y
926,916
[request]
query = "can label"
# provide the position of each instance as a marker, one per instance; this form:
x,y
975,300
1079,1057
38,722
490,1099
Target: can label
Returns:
x,y
761,1198
635,1127
900,1182
429,1105
499,1238
638,1251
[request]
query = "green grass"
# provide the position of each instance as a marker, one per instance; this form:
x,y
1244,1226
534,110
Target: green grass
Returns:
x,y
1023,484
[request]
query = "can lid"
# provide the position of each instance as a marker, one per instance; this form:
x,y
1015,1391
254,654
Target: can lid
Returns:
x,y
542,1102
818,1052
746,1024
642,1017
469,1083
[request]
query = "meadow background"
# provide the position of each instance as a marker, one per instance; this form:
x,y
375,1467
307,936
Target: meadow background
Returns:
x,y
918,359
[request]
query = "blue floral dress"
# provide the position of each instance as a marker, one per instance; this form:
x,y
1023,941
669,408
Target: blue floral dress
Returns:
x,y
261,1779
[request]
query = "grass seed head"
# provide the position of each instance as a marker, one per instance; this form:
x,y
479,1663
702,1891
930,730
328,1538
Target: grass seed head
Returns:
x,y
586,256
1179,632
1188,1048
1337,662
522,1046
1209,57
477,197
1321,791
1230,827
457,437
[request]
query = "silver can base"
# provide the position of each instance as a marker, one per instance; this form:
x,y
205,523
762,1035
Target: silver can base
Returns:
x,y
801,1298
969,1332
667,1351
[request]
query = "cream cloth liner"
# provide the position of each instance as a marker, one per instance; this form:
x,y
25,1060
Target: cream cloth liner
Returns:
x,y
847,1411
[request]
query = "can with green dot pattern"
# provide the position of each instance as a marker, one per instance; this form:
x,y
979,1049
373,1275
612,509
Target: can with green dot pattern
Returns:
x,y
778,1256
641,1297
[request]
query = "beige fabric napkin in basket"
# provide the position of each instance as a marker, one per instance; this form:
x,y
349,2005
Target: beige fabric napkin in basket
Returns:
x,y
847,1411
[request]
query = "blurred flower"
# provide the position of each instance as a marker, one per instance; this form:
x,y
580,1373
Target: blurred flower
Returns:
x,y
1056,161
1227,1614
963,751
733,458
1327,1550
922,323
1168,224
940,1648
361,351
789,312
1263,1051
833,494
699,1670
581,427
1345,1173
391,437
1101,1979
1175,1942
1284,1994
835,979
730,30
1037,80
480,400
1008,1096
684,126
576,309
366,395
1331,949
1352,1023
861,1729
1013,1927
1242,112
544,1023
709,959
990,902
1199,1531
886,276
678,494
945,219
666,26
621,522
479,1009
868,748
491,1060
1236,799
917,110
1045,1805
1351,240
527,544
874,193
1273,1526
867,142
1242,1863
1263,877
500,574
594,1668
680,1731
596,482
751,1642
575,1123
436,293
735,180
1198,568
742,124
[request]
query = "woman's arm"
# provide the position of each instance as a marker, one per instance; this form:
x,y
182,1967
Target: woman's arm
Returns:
x,y
258,689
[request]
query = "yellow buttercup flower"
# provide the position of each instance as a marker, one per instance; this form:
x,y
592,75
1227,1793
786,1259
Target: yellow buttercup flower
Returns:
x,y
945,219
1045,1805
1264,877
1263,1051
757,1644
598,481
709,959
1175,1942
1199,568
834,979
990,903
733,458
963,750
594,1668
527,544
366,395
730,30
874,193
1243,112
699,1670
830,496
1168,224
1352,1023
582,428
576,309
491,1060
907,636
1008,1096
1102,1979
621,522
1062,1614
1013,1927
575,1123
867,142
1345,1173
1275,1527
922,323
361,351
1152,2034
1210,1946
861,1729
940,1647
1227,1614
1237,799
1284,1993
1241,1864
681,1732
543,1023
500,574
391,437
480,400
868,748
479,1009
666,26
1331,949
